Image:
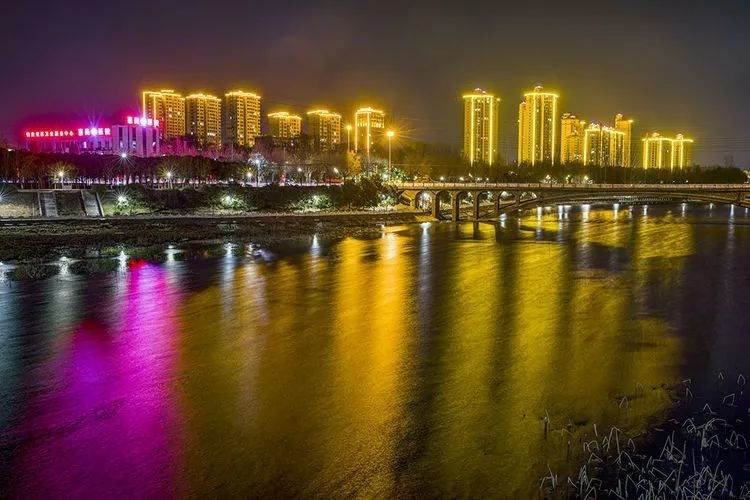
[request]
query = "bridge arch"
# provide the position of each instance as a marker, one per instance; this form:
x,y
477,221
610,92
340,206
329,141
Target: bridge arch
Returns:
x,y
423,200
440,199
482,196
459,198
514,196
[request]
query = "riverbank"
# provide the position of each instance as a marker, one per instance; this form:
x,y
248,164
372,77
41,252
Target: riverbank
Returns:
x,y
24,240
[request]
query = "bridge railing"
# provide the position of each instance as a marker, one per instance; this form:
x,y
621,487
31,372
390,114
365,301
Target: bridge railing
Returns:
x,y
572,186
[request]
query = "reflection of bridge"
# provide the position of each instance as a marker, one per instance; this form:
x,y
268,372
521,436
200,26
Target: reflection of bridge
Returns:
x,y
505,197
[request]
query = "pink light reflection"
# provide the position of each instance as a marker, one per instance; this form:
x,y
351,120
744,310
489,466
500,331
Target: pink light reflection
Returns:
x,y
109,423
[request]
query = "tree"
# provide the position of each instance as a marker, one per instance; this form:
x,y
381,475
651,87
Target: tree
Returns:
x,y
353,164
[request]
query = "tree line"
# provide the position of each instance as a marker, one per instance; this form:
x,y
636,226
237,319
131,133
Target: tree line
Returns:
x,y
269,163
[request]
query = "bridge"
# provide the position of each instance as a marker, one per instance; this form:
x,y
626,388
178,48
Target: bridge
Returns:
x,y
506,197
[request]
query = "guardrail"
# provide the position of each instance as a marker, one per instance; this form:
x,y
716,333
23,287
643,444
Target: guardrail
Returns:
x,y
571,186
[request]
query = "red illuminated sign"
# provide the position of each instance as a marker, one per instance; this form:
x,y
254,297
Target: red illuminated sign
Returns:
x,y
63,133
143,121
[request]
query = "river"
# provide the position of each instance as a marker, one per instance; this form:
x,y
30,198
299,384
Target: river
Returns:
x,y
420,363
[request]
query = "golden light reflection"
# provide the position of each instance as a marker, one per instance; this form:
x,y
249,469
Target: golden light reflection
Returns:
x,y
432,348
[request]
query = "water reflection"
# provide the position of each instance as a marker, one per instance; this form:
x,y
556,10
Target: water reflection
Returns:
x,y
417,363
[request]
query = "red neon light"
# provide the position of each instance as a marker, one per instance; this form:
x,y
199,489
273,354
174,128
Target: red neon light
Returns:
x,y
142,121
61,133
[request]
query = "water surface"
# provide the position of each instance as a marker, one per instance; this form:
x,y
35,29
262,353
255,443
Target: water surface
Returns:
x,y
418,363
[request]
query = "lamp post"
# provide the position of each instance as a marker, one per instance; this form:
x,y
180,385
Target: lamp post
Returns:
x,y
390,135
348,133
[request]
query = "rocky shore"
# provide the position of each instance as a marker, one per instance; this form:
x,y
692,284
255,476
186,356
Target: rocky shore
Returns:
x,y
23,240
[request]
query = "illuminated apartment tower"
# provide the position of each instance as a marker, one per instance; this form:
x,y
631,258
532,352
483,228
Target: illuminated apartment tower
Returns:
x,y
167,107
203,119
367,123
537,127
284,126
603,146
241,118
481,117
663,152
682,152
626,127
325,129
571,139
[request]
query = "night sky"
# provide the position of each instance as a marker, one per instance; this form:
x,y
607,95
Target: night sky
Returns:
x,y
672,66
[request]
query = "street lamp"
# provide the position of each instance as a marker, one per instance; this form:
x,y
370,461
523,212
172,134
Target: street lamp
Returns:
x,y
390,135
348,133
257,172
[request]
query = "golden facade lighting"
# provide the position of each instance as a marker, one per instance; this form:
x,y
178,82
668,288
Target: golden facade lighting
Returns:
x,y
242,120
665,152
626,127
203,119
169,108
481,116
571,139
284,125
367,121
325,129
682,152
537,127
603,146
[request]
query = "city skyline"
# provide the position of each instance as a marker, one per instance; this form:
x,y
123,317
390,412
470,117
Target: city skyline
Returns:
x,y
653,76
551,137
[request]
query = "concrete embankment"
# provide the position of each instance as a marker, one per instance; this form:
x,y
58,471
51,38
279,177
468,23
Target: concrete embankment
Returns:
x,y
42,238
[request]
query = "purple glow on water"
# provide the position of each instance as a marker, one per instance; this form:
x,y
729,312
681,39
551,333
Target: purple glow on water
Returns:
x,y
112,402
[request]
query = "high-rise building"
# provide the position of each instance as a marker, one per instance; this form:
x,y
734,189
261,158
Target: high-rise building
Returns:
x,y
682,152
325,129
657,151
169,108
203,119
626,127
284,125
481,118
367,123
537,127
571,139
241,118
602,146
664,152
